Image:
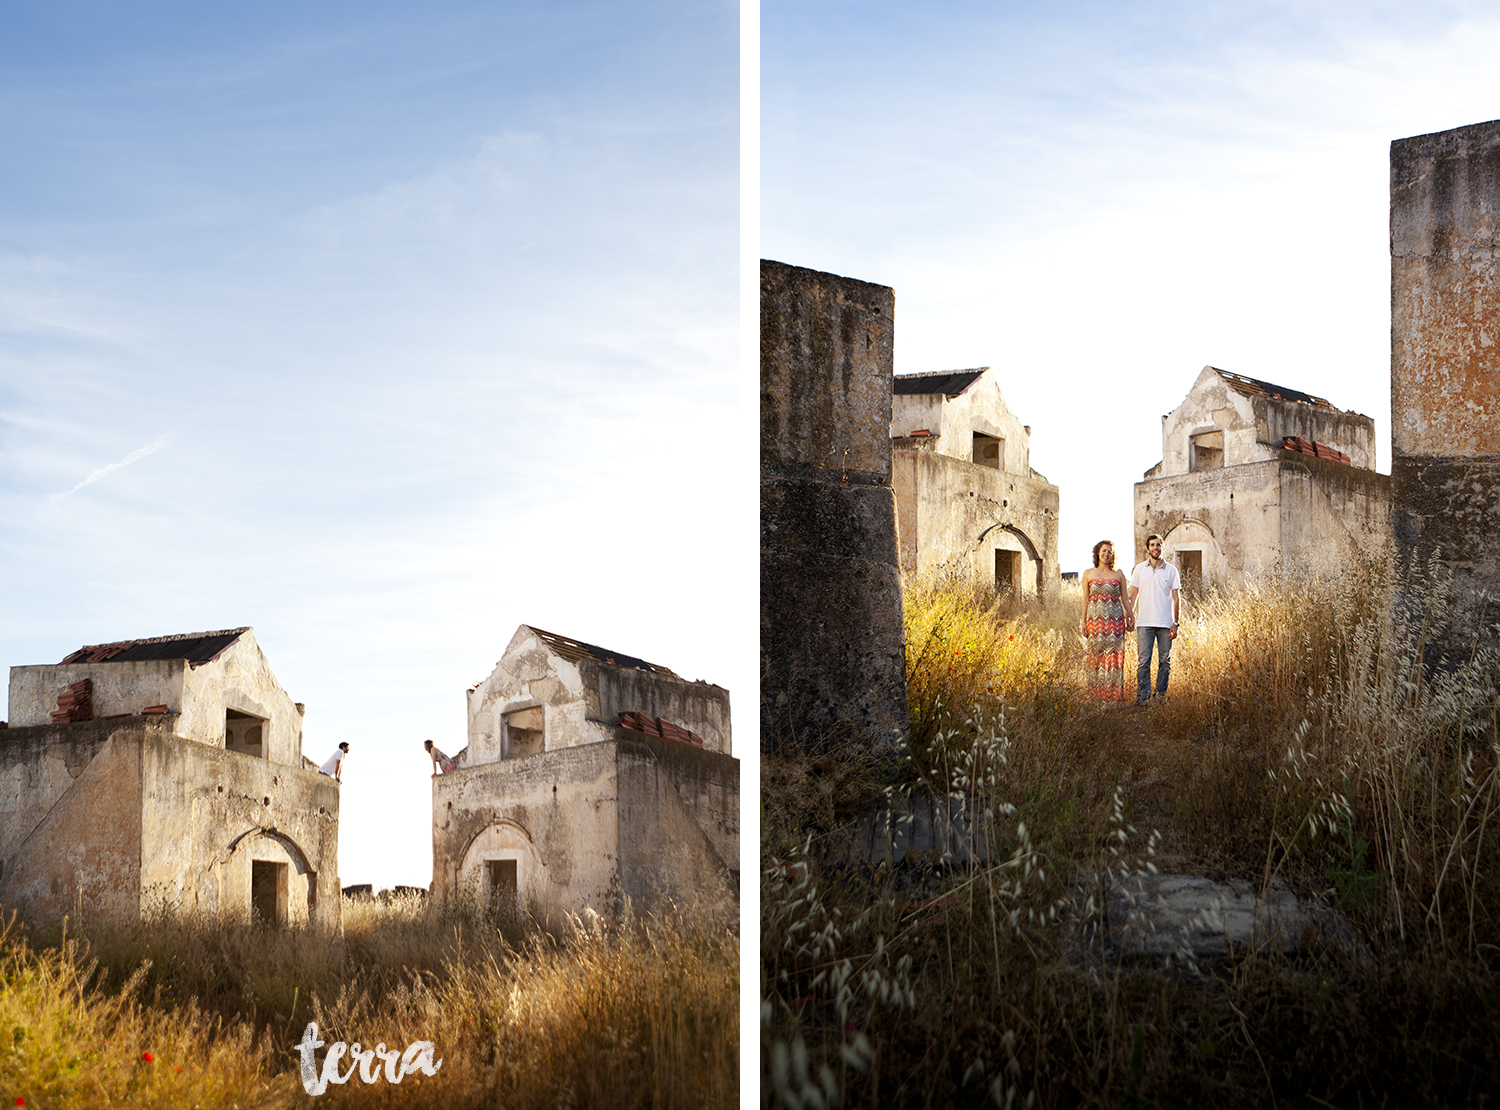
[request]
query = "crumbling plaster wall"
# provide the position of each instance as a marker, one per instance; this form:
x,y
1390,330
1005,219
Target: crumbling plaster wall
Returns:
x,y
208,813
679,823
70,818
831,638
1293,513
699,707
1254,427
1350,432
954,515
1445,370
240,678
118,688
1233,515
529,674
954,420
1332,515
116,816
556,812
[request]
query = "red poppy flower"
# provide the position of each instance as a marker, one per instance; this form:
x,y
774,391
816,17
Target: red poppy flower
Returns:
x,y
146,1056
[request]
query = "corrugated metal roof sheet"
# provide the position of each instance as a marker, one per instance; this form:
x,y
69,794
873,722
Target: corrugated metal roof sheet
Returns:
x,y
196,647
950,383
574,650
1253,387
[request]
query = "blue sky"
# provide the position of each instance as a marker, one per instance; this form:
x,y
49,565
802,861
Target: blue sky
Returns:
x,y
1099,199
382,330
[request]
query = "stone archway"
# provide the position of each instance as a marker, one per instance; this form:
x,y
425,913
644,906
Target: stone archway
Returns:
x,y
502,871
1191,546
1011,548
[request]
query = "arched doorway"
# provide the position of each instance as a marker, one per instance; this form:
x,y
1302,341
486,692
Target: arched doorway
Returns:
x,y
1192,548
1016,560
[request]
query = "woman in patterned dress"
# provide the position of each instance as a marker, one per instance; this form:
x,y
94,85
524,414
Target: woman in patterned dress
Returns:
x,y
1106,619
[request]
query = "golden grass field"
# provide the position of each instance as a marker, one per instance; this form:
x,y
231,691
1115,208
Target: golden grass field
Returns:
x,y
184,1013
1302,742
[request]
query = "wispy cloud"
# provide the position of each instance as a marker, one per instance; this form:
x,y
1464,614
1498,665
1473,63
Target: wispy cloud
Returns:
x,y
139,453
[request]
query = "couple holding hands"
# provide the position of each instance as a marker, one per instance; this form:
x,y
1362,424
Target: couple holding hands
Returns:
x,y
1149,601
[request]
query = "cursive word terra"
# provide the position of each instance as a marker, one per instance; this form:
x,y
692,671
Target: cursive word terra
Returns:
x,y
417,1057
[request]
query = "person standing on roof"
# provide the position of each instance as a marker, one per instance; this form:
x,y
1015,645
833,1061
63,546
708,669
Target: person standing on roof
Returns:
x,y
334,768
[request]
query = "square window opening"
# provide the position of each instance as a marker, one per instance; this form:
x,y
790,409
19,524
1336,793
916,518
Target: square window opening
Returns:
x,y
1208,451
245,732
989,451
525,732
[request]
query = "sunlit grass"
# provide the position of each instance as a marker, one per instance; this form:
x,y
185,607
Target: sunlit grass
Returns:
x,y
1303,743
640,1015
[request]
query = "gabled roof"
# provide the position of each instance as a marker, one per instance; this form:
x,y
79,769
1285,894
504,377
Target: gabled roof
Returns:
x,y
574,650
950,383
196,647
1253,387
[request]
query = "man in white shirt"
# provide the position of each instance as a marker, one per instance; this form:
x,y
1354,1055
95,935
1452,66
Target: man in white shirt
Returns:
x,y
334,768
1156,598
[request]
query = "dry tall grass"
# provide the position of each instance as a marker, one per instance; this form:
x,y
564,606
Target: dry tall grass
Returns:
x,y
1302,743
643,1015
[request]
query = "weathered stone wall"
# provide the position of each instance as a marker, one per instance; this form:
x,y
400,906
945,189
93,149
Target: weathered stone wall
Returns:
x,y
1332,515
1232,515
239,679
1445,370
954,420
590,825
70,818
1292,513
1350,432
699,707
581,701
679,824
530,674
831,639
112,817
118,688
556,813
208,813
1254,426
954,516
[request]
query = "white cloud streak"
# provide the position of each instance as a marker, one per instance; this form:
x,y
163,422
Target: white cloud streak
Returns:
x,y
135,456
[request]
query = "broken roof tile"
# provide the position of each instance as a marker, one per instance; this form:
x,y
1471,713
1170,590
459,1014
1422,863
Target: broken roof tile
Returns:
x,y
196,647
1254,387
950,383
576,650
659,727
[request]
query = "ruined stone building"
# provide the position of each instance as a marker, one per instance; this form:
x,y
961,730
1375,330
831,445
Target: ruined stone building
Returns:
x,y
590,777
164,771
1445,372
832,643
1256,477
967,499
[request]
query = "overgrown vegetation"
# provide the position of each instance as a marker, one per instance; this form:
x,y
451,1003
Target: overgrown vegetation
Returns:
x,y
1302,744
180,1012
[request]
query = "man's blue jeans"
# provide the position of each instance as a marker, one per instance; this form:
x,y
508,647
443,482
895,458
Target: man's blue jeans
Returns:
x,y
1145,638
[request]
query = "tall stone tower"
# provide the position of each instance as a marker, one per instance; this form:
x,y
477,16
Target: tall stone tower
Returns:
x,y
832,647
1445,371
